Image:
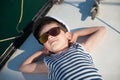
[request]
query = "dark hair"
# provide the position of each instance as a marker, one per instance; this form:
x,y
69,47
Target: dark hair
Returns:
x,y
38,25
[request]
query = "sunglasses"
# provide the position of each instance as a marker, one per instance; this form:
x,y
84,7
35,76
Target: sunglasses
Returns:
x,y
53,32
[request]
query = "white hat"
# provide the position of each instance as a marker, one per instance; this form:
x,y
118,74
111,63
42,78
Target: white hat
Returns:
x,y
61,22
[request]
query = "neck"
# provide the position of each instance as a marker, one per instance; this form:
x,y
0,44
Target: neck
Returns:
x,y
59,52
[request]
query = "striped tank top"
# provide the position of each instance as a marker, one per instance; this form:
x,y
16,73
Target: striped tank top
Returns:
x,y
72,64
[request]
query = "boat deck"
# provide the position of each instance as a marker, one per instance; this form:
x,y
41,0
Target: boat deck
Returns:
x,y
75,14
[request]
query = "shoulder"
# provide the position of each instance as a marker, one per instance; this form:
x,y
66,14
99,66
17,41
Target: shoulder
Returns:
x,y
77,46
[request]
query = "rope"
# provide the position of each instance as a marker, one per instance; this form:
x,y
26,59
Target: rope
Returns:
x,y
17,27
20,19
7,39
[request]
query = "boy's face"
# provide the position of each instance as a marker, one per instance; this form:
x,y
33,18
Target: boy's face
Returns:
x,y
56,43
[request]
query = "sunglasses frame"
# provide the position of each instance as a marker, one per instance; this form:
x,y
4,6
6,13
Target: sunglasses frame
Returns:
x,y
53,32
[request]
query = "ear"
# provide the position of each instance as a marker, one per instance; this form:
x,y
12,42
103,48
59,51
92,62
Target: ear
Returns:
x,y
69,35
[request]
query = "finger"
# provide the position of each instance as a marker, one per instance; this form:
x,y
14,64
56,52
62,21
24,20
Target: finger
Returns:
x,y
72,41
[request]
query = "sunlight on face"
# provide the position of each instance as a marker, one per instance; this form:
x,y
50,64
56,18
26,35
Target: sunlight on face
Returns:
x,y
55,43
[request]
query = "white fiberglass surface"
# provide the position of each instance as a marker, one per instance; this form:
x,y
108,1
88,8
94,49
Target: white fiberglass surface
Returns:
x,y
75,14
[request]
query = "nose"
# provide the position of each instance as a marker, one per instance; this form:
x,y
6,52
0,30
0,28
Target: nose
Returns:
x,y
49,37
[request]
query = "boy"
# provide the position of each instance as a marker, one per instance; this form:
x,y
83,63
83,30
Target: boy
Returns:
x,y
65,58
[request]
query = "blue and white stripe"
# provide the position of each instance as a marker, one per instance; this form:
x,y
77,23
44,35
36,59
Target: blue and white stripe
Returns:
x,y
73,64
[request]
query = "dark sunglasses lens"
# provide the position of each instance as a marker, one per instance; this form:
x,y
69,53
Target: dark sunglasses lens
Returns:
x,y
54,31
43,38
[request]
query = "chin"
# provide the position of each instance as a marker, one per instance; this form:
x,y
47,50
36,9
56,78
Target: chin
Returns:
x,y
57,49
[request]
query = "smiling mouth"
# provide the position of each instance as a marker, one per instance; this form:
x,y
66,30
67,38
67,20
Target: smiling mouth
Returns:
x,y
52,42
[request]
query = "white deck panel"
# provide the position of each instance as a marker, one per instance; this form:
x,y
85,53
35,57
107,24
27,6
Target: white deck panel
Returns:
x,y
74,14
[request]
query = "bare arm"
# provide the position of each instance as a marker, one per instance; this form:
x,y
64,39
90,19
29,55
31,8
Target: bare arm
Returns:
x,y
95,34
29,66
